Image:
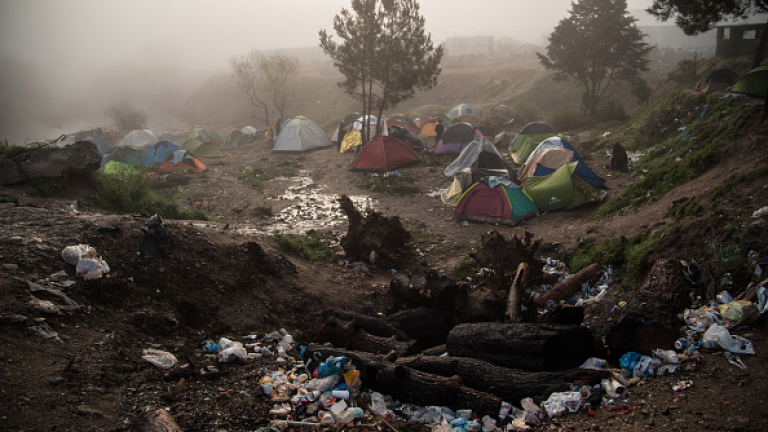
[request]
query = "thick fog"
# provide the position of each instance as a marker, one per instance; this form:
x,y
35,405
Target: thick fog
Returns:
x,y
63,62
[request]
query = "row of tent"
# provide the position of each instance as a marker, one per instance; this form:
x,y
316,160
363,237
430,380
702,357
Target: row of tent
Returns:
x,y
754,83
553,176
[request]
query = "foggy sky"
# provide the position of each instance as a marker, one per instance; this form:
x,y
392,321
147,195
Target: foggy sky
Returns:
x,y
150,46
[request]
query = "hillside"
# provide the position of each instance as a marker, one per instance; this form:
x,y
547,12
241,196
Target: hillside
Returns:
x,y
692,195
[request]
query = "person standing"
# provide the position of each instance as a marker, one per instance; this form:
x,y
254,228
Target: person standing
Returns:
x,y
270,134
439,129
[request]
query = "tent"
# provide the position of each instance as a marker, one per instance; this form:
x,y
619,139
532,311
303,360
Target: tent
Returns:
x,y
499,204
527,139
202,134
717,80
128,154
116,167
207,149
384,153
101,145
754,83
246,135
138,138
404,122
181,160
481,159
167,136
301,134
403,135
456,138
541,165
462,110
158,153
428,124
338,133
562,189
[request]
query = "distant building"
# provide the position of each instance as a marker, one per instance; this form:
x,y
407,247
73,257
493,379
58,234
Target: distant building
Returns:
x,y
470,45
738,40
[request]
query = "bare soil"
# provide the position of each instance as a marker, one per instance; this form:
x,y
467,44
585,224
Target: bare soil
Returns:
x,y
229,278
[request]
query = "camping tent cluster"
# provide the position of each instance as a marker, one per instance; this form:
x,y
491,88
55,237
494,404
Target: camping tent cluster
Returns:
x,y
553,176
141,148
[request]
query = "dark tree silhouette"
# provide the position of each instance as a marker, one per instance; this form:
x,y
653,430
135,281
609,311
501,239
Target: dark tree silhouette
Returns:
x,y
597,45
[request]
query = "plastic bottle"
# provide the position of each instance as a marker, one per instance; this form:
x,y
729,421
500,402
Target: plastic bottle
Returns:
x,y
667,356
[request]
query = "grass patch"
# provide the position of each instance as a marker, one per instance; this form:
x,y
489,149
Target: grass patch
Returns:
x,y
312,246
259,175
684,208
635,256
607,252
465,269
391,184
131,193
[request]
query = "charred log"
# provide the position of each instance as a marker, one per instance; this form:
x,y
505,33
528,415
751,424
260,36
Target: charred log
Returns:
x,y
349,335
528,346
374,326
509,384
569,287
429,327
414,386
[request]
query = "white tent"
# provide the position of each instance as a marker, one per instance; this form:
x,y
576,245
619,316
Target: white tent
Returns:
x,y
138,138
301,134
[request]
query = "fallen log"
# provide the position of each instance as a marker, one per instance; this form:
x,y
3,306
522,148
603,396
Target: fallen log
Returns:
x,y
480,304
411,385
429,327
424,289
511,385
569,287
515,299
528,346
349,335
158,420
564,314
375,326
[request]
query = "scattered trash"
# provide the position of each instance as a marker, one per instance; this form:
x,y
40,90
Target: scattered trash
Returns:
x,y
682,385
87,263
735,360
159,358
155,240
734,344
762,212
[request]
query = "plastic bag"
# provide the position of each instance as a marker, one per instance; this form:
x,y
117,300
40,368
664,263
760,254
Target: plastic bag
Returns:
x,y
232,351
73,254
629,360
700,320
736,310
332,366
159,358
762,299
734,344
559,403
91,268
594,363
646,366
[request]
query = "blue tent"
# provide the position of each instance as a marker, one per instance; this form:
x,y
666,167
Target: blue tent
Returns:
x,y
158,153
101,145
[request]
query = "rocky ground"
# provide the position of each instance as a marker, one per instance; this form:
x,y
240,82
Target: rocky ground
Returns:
x,y
228,278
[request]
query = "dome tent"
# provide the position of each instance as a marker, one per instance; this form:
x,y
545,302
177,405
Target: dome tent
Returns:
x,y
384,153
301,134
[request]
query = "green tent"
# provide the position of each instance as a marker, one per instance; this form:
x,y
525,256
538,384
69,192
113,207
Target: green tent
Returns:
x,y
563,189
128,154
754,84
115,167
202,134
199,149
529,137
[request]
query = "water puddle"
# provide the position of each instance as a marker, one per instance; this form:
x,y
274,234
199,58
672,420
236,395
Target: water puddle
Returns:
x,y
311,209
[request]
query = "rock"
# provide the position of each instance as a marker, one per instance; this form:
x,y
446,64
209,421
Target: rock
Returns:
x,y
29,163
88,411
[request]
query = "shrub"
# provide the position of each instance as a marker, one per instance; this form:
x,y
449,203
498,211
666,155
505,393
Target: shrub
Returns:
x,y
563,118
311,246
126,117
130,193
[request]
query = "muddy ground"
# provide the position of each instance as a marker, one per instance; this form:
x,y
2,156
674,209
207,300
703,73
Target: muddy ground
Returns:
x,y
229,278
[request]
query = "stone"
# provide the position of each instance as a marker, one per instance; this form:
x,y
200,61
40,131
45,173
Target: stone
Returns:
x,y
24,164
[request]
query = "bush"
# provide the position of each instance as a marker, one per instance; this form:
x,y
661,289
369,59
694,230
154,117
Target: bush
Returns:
x,y
126,117
610,109
130,193
311,246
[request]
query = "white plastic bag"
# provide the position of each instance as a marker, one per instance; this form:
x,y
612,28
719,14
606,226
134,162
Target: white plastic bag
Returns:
x,y
594,363
646,367
91,268
727,341
73,254
231,351
159,358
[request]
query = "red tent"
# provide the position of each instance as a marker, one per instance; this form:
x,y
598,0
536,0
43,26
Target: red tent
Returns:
x,y
384,153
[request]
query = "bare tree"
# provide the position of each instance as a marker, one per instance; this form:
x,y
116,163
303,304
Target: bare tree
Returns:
x,y
277,70
126,116
265,79
246,71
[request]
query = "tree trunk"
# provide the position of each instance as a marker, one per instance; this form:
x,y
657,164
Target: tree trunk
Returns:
x,y
375,326
529,346
515,299
569,287
414,386
348,335
429,327
761,48
158,420
509,384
